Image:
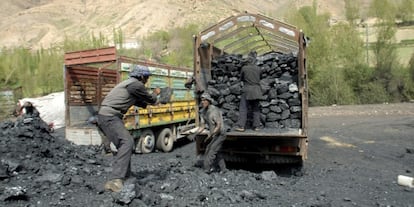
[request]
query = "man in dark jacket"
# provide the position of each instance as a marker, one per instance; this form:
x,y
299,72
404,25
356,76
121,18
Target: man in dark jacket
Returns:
x,y
127,93
211,118
252,93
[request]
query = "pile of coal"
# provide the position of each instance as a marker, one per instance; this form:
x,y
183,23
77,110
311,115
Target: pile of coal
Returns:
x,y
40,168
281,102
35,163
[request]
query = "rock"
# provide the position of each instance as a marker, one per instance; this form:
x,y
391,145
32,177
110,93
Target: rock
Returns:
x,y
126,195
50,177
268,175
14,193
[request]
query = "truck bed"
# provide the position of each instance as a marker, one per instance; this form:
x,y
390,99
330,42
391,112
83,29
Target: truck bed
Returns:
x,y
267,133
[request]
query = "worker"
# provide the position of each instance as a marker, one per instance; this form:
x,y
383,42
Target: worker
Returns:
x,y
27,113
252,94
28,109
211,116
127,93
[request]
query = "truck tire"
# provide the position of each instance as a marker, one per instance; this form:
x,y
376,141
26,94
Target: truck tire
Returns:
x,y
146,142
165,140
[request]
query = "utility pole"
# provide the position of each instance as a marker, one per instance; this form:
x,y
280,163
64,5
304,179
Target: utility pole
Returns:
x,y
366,42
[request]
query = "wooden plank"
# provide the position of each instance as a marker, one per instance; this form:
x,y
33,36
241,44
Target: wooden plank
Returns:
x,y
91,56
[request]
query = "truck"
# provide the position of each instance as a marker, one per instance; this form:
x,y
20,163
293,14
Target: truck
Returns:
x,y
279,50
8,99
89,76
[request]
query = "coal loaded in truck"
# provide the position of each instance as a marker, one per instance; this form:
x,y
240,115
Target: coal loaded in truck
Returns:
x,y
220,52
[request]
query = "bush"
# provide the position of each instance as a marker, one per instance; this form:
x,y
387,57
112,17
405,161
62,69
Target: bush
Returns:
x,y
373,93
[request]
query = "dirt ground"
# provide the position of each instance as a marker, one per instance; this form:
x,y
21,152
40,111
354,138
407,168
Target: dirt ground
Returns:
x,y
355,155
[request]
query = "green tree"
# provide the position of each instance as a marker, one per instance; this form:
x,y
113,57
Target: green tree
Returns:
x,y
385,52
406,10
49,77
347,45
180,46
314,27
154,46
385,48
411,68
118,37
171,47
6,71
408,78
348,50
327,56
40,72
372,92
385,10
85,42
18,68
352,11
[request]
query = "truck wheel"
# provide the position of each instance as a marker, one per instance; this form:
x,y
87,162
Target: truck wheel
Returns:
x,y
165,140
146,142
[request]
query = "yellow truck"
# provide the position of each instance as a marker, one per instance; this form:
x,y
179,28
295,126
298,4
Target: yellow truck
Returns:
x,y
91,74
279,51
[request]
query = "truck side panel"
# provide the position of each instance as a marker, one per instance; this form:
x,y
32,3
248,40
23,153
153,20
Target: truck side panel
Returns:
x,y
91,74
180,108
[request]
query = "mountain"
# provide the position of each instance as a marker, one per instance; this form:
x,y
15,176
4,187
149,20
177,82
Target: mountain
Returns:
x,y
42,23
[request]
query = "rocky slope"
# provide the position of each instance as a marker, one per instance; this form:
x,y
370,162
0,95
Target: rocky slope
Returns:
x,y
42,23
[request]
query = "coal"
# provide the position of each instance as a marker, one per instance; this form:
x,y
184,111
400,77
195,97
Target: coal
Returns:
x,y
35,163
281,100
40,168
44,169
165,95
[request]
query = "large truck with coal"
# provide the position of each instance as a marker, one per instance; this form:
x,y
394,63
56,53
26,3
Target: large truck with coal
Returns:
x,y
220,52
91,74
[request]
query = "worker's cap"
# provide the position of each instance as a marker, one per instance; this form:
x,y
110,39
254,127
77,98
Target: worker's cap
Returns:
x,y
207,97
140,71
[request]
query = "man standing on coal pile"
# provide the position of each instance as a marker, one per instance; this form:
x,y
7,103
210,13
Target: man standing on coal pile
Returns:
x,y
252,94
127,93
211,116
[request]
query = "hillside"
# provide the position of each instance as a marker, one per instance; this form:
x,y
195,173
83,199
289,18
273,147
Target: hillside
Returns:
x,y
42,23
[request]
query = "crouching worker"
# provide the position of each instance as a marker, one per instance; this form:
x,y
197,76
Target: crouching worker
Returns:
x,y
127,93
211,117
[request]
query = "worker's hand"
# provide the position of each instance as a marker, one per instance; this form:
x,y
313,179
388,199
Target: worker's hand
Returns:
x,y
156,103
189,82
157,91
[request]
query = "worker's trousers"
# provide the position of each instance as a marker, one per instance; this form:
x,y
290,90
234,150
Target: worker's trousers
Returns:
x,y
245,106
212,158
114,129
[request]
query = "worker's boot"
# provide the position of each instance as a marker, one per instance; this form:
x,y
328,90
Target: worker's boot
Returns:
x,y
199,162
239,129
222,165
114,185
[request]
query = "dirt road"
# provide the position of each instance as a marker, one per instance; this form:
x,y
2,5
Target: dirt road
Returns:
x,y
355,155
357,152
